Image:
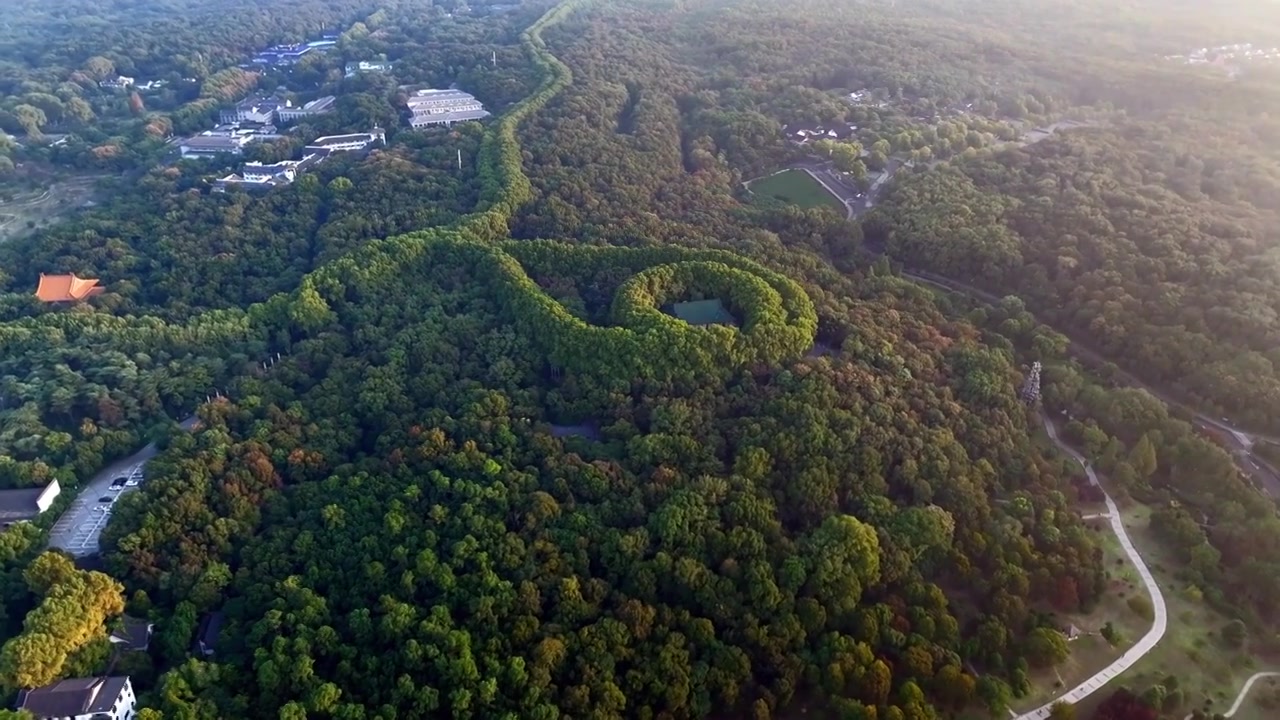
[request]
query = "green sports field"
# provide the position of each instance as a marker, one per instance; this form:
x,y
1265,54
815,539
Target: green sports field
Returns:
x,y
797,188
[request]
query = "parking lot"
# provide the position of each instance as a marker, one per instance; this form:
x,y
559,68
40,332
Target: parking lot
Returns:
x,y
80,527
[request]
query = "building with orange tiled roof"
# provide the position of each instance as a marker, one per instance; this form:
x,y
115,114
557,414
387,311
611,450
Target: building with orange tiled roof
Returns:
x,y
66,288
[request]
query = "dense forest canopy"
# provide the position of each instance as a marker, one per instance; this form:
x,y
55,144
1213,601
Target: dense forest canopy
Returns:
x,y
492,476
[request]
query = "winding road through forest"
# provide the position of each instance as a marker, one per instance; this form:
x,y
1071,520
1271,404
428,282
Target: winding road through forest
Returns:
x,y
1161,613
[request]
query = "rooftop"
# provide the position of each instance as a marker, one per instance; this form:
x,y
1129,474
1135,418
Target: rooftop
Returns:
x,y
18,505
133,633
320,104
328,140
210,629
77,696
66,288
214,142
274,168
369,66
450,116
437,96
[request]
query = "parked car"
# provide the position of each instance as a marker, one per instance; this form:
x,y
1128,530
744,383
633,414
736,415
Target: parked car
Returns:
x,y
106,499
133,482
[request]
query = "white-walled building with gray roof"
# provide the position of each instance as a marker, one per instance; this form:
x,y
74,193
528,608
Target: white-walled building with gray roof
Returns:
x,y
443,107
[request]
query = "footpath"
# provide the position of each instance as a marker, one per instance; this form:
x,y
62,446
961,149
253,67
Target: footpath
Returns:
x,y
1158,627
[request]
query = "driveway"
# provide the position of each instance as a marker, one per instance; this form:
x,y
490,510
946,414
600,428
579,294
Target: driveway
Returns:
x,y
1158,627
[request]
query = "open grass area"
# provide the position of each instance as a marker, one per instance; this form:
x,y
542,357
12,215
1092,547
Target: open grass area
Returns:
x,y
1209,672
797,188
23,213
1090,652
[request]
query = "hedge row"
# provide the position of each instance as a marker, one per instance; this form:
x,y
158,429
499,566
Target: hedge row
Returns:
x,y
780,320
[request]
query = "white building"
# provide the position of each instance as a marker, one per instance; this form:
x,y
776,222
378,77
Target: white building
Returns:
x,y
281,172
289,113
366,66
443,107
348,143
256,175
257,110
98,698
118,82
208,144
224,139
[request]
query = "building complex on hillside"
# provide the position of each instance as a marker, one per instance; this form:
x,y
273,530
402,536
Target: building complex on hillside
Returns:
x,y
66,288
267,110
26,503
225,140
97,698
256,175
443,107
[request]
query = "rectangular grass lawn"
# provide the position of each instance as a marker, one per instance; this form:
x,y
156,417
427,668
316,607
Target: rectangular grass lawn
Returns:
x,y
797,188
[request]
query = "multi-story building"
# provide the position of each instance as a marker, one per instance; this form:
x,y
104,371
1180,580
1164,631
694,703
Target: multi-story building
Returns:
x,y
289,113
265,110
206,145
225,140
443,107
259,176
97,698
252,109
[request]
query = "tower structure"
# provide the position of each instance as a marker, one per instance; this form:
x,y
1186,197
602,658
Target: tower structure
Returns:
x,y
1031,387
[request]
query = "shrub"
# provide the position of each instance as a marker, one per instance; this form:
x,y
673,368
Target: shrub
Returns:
x,y
1142,606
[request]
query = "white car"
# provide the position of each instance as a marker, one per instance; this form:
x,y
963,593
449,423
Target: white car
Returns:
x,y
133,482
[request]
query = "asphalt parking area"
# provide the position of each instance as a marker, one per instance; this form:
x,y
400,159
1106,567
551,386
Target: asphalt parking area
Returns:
x,y
80,527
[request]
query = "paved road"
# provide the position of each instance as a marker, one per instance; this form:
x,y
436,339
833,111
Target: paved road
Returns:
x,y
80,527
1237,442
1158,627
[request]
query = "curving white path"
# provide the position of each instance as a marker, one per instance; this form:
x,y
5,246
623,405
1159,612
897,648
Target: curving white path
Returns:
x,y
1148,641
1244,692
